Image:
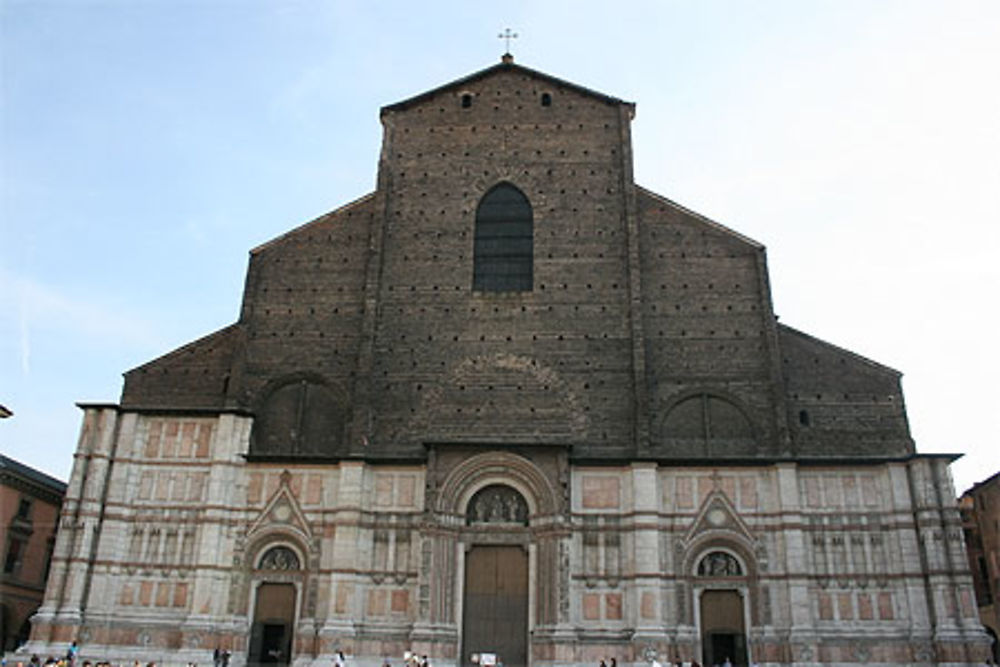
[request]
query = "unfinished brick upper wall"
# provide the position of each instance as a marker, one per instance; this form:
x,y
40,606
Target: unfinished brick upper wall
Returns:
x,y
709,324
549,365
840,403
648,330
195,376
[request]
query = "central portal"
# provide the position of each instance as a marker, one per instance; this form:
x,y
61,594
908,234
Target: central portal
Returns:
x,y
495,610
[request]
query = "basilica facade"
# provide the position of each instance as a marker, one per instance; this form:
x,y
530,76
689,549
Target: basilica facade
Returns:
x,y
510,404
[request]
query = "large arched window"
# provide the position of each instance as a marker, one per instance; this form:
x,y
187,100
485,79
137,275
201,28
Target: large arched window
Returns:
x,y
503,254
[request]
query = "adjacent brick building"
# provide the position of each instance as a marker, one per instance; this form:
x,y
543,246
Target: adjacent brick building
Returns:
x,y
29,513
510,402
980,506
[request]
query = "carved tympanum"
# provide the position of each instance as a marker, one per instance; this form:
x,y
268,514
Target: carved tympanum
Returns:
x,y
719,564
279,558
497,504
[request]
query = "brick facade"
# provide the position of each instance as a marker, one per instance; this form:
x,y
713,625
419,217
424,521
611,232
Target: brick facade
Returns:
x,y
640,400
29,513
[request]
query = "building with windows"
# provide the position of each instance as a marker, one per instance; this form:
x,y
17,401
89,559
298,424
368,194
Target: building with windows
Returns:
x,y
510,403
29,513
980,507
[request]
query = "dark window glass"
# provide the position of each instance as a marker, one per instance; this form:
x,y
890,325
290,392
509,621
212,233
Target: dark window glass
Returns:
x,y
466,101
546,100
24,509
504,243
13,560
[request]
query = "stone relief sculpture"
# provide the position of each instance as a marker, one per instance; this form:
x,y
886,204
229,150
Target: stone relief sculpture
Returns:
x,y
719,564
497,504
279,558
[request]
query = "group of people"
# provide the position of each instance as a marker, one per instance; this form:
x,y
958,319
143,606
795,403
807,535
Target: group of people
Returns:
x,y
220,657
69,661
410,659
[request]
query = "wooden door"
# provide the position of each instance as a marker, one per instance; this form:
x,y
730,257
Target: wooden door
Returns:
x,y
723,632
495,611
273,626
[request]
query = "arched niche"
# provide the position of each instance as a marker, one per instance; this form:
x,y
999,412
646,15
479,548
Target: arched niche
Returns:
x,y
300,416
705,424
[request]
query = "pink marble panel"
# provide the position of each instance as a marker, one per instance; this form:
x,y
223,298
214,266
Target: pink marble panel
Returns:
x,y
613,606
748,492
685,493
600,492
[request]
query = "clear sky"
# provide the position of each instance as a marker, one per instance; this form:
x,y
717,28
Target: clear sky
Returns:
x,y
148,145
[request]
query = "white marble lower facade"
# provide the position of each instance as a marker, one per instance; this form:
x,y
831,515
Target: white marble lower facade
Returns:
x,y
172,543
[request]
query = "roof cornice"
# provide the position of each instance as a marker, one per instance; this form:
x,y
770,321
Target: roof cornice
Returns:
x,y
505,66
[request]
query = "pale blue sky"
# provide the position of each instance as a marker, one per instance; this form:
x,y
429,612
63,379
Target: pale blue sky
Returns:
x,y
147,145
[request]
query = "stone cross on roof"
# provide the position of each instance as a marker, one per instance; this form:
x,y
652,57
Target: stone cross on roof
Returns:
x,y
507,35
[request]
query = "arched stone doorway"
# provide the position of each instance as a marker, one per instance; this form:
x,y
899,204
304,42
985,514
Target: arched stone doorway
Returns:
x,y
275,601
495,591
722,608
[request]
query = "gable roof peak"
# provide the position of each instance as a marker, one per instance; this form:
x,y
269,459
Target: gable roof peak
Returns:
x,y
506,64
